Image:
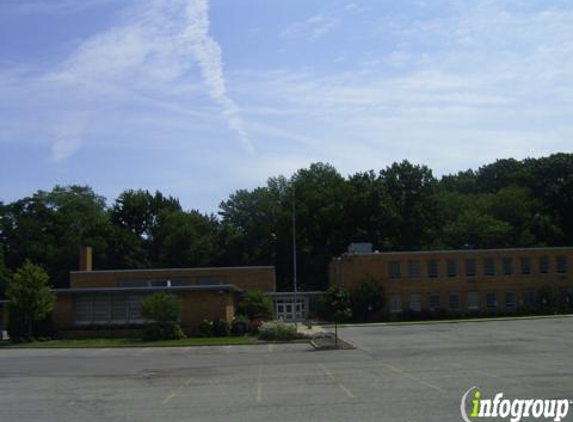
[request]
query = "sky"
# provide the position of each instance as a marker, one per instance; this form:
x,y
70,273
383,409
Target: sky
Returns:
x,y
199,98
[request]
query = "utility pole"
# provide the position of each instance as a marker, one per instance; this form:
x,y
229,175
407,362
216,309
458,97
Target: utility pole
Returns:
x,y
295,287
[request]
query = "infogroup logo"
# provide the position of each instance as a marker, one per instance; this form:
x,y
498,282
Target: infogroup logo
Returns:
x,y
514,409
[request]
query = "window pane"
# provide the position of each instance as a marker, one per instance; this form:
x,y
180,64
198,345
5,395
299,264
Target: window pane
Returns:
x,y
415,302
433,268
119,309
395,303
473,300
491,300
510,300
525,265
434,302
470,267
394,270
507,266
543,264
83,310
454,302
452,265
489,266
413,269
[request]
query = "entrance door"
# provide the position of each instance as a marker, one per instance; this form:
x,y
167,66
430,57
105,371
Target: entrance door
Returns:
x,y
285,308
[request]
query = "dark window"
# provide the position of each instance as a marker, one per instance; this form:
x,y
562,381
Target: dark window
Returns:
x,y
413,269
529,298
433,268
491,300
543,264
415,302
510,300
473,301
470,267
525,265
507,266
453,302
394,270
562,264
434,302
489,266
452,265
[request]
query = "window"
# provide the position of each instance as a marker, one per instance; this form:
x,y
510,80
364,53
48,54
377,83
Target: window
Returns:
x,y
452,265
212,281
529,298
543,265
394,270
395,303
453,302
491,300
143,283
510,300
562,264
434,302
414,269
525,265
415,303
106,309
470,267
473,301
507,266
489,267
433,268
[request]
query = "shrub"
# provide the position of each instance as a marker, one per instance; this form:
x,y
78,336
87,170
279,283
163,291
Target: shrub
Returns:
x,y
255,303
164,331
205,328
367,299
273,330
220,328
163,309
240,327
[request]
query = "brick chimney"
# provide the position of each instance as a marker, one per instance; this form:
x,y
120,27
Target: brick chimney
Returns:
x,y
86,258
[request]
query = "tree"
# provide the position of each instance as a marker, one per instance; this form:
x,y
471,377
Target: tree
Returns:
x,y
4,272
164,310
368,299
29,295
255,303
337,304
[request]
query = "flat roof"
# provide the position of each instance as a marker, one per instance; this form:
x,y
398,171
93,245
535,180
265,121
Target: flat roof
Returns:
x,y
199,288
444,251
261,267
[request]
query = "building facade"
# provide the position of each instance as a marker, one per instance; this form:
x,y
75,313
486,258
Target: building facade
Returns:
x,y
110,299
495,281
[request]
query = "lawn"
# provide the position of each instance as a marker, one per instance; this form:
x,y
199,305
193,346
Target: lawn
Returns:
x,y
130,342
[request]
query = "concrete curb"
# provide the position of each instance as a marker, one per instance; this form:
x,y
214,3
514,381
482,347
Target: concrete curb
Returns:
x,y
449,321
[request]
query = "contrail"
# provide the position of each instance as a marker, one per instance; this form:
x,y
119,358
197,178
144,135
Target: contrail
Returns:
x,y
210,58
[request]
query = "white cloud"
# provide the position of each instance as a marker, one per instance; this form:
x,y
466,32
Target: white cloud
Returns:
x,y
210,58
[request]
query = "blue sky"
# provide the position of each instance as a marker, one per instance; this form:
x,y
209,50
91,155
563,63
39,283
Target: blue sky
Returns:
x,y
199,98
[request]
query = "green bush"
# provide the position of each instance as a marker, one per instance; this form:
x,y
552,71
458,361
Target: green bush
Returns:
x,y
163,309
274,330
367,300
240,327
164,331
205,328
255,303
221,328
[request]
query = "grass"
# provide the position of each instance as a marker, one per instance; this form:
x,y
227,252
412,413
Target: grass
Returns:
x,y
129,342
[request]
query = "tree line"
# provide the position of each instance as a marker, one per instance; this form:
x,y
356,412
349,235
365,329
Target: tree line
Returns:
x,y
508,203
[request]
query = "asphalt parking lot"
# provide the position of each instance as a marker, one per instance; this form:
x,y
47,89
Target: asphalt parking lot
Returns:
x,y
397,373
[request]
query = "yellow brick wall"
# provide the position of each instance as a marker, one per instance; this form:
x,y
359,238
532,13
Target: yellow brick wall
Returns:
x,y
351,270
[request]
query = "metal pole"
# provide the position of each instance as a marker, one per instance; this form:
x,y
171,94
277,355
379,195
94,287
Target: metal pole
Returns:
x,y
295,287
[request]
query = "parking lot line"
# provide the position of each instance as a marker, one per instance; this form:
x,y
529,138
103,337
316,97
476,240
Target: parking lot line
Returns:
x,y
412,377
330,375
169,397
260,384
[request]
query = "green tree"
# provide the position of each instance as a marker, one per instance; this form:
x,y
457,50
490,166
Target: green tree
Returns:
x,y
367,299
164,310
29,295
255,303
338,307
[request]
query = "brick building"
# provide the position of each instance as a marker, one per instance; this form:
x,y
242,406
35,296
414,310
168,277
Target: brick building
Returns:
x,y
110,299
461,281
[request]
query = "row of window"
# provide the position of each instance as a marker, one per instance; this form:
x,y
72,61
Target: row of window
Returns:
x,y
509,301
490,267
105,309
173,282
